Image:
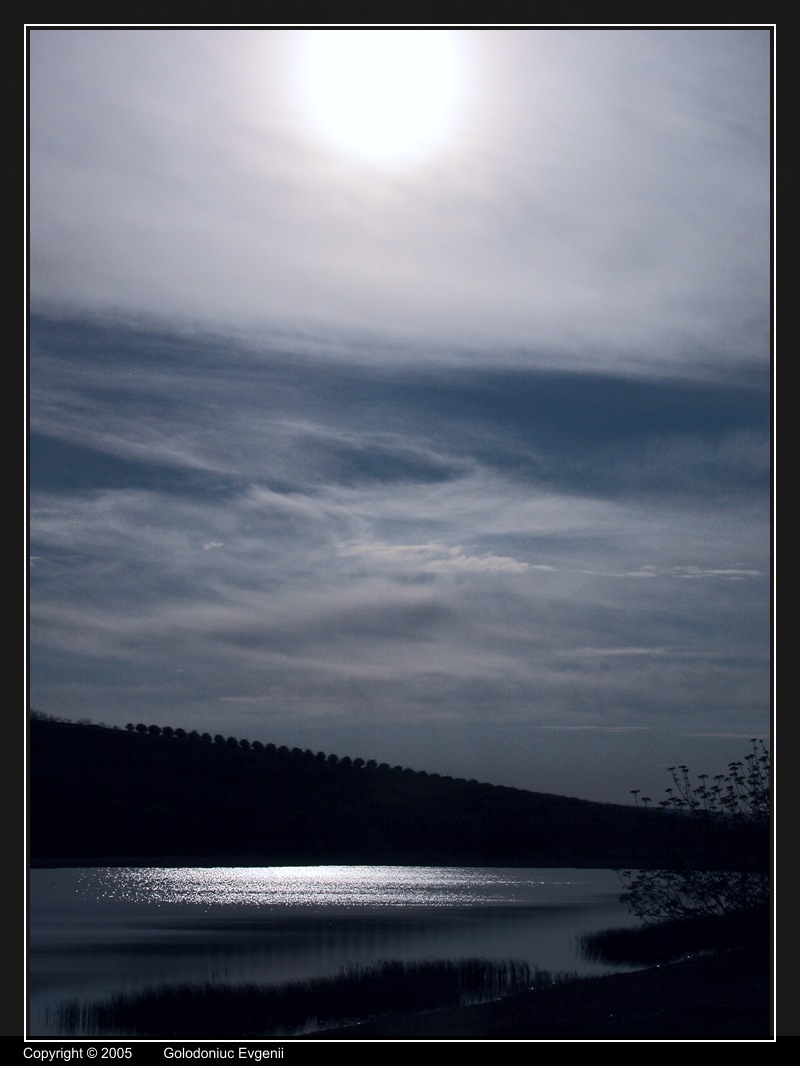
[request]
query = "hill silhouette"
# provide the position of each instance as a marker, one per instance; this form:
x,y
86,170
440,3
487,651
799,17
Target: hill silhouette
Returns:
x,y
152,795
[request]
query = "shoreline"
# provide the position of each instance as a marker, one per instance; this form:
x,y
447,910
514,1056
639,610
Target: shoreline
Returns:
x,y
712,997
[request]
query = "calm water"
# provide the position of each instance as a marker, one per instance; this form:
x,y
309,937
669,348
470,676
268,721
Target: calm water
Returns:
x,y
97,931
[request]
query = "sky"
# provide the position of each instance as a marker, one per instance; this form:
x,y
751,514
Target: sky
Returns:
x,y
405,394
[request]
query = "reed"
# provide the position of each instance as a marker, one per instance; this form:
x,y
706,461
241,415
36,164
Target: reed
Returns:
x,y
216,1011
661,942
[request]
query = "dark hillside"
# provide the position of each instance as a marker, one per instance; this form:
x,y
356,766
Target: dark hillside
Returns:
x,y
153,794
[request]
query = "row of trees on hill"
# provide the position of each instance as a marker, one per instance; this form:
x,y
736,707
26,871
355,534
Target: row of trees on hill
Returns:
x,y
283,752
102,792
98,791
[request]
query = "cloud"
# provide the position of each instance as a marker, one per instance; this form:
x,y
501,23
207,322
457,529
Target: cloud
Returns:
x,y
436,558
622,651
684,572
727,574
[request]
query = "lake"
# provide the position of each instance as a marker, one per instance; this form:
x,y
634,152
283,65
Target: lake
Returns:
x,y
97,931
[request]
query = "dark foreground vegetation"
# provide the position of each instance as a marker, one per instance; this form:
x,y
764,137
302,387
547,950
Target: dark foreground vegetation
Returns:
x,y
215,1011
715,997
680,938
703,980
149,794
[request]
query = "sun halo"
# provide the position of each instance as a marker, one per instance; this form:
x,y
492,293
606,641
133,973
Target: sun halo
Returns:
x,y
385,96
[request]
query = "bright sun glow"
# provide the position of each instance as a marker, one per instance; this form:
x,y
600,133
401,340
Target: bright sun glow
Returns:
x,y
387,96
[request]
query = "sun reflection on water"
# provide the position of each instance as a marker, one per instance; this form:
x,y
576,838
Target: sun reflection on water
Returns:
x,y
316,886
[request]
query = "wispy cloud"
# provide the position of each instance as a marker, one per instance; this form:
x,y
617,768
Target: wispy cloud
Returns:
x,y
437,558
622,651
729,574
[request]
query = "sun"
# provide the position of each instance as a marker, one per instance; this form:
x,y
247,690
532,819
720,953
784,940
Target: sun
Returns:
x,y
387,96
